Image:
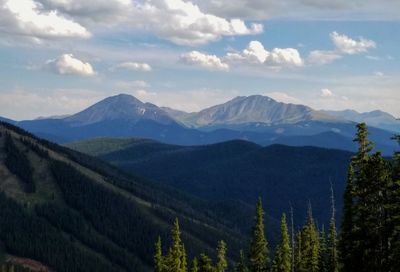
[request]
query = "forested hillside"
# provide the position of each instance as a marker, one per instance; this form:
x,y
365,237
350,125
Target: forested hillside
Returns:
x,y
368,240
236,173
74,213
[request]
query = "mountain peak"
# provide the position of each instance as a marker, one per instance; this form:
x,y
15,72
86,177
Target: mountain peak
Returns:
x,y
120,107
255,109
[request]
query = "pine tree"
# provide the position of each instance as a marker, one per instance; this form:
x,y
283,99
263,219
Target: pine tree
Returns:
x,y
365,240
323,255
310,247
332,255
222,263
348,228
195,265
259,258
299,263
176,257
158,258
394,213
205,264
241,265
283,256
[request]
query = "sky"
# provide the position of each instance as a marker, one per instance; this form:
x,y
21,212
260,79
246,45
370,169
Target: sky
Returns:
x,y
60,56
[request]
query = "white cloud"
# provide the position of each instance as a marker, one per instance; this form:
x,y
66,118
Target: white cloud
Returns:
x,y
183,22
346,45
26,18
301,9
92,11
210,62
326,93
126,85
379,74
284,97
67,64
21,104
321,57
255,53
134,66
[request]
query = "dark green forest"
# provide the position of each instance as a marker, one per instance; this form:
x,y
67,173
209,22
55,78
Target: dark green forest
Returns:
x,y
369,238
73,212
86,215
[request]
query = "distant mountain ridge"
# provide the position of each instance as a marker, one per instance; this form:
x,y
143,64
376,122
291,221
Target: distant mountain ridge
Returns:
x,y
256,118
252,109
376,118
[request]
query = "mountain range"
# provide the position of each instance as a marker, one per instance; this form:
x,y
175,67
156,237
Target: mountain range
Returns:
x,y
256,118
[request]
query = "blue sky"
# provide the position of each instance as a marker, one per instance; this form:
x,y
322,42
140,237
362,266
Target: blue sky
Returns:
x,y
58,57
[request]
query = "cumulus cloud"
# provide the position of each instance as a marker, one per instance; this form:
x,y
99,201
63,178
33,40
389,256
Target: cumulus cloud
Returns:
x,y
255,53
210,62
183,22
346,45
326,93
91,11
25,18
134,66
300,9
67,64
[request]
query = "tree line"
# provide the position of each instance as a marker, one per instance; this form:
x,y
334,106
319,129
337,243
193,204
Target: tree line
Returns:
x,y
369,238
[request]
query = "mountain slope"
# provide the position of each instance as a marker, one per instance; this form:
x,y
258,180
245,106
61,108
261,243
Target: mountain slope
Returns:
x,y
375,118
252,109
120,107
75,213
242,171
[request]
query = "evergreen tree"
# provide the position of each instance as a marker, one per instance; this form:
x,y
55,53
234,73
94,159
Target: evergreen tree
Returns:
x,y
310,247
365,241
259,258
299,263
195,265
222,263
176,257
332,255
394,213
158,258
323,255
348,228
205,264
241,265
283,257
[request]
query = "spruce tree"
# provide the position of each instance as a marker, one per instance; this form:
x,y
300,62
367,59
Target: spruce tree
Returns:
x,y
222,263
332,255
323,255
195,265
283,255
241,265
158,258
394,212
348,228
299,263
205,264
365,240
310,246
259,254
176,257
